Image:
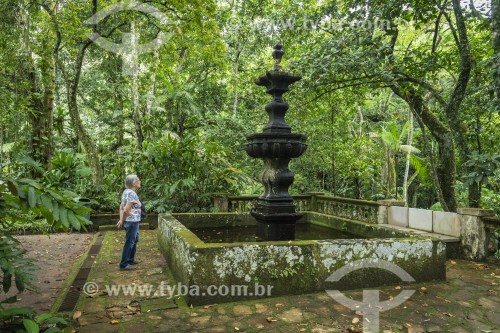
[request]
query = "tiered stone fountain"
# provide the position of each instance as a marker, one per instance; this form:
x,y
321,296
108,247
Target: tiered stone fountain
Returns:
x,y
287,265
276,145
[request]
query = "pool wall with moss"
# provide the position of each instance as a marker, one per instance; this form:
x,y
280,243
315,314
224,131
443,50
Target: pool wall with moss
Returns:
x,y
290,267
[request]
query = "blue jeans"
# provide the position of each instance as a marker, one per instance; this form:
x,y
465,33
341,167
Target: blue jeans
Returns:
x,y
131,240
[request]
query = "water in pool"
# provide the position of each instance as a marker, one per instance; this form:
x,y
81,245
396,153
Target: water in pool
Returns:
x,y
303,231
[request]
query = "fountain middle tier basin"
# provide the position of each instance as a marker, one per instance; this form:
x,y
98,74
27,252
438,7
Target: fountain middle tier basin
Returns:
x,y
224,271
276,145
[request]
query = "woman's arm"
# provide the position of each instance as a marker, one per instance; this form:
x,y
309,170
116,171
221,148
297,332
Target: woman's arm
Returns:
x,y
124,212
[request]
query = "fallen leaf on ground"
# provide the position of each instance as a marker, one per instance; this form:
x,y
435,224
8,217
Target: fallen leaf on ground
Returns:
x,y
425,305
77,314
444,299
209,306
398,287
355,320
259,326
359,313
114,322
448,314
236,328
271,319
423,289
279,305
453,262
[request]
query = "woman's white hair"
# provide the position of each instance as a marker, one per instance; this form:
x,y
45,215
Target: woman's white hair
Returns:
x,y
130,180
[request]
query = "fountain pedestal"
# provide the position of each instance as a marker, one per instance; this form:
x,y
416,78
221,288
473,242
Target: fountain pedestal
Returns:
x,y
276,145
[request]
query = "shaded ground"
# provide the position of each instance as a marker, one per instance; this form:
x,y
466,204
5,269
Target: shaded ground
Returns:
x,y
55,256
469,301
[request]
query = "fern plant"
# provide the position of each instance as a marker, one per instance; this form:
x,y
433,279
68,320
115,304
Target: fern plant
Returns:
x,y
20,201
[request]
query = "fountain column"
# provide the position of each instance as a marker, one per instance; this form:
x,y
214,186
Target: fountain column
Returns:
x,y
276,146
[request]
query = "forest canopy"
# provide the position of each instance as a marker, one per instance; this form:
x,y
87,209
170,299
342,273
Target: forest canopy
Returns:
x,y
398,100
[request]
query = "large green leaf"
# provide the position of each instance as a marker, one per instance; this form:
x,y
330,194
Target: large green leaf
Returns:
x,y
6,281
20,311
73,220
46,202
9,300
32,197
63,216
31,326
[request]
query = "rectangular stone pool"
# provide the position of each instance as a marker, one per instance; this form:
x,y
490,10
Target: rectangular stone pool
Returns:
x,y
291,267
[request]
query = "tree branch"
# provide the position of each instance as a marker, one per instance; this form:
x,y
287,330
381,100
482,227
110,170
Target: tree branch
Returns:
x,y
436,32
448,19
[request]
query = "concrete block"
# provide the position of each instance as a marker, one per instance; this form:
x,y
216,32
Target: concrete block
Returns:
x,y
446,223
476,212
398,216
420,219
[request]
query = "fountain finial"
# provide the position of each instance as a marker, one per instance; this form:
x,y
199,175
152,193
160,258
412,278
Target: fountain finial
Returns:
x,y
277,55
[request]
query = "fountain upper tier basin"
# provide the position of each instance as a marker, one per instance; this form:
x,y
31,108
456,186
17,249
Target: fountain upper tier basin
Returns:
x,y
291,267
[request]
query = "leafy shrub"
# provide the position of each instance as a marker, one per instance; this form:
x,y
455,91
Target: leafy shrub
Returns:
x,y
21,200
182,174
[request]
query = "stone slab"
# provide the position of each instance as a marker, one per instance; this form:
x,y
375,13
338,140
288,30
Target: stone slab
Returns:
x,y
420,219
446,223
398,216
476,212
444,238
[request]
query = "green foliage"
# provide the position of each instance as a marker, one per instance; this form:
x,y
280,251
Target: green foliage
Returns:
x,y
67,170
22,200
14,266
26,198
484,166
183,174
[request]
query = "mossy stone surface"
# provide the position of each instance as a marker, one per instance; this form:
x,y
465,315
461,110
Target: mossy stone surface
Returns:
x,y
291,267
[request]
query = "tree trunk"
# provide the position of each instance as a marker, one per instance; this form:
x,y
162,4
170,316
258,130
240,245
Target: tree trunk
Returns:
x,y
334,175
49,86
135,89
118,82
41,94
36,116
445,168
408,155
152,87
76,122
456,99
235,81
495,28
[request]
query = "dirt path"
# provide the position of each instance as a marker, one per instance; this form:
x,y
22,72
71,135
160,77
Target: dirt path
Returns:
x,y
55,256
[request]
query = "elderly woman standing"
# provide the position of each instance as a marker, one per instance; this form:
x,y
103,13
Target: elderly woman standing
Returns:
x,y
130,216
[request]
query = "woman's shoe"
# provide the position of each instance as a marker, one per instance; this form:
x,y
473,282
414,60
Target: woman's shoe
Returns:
x,y
127,268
